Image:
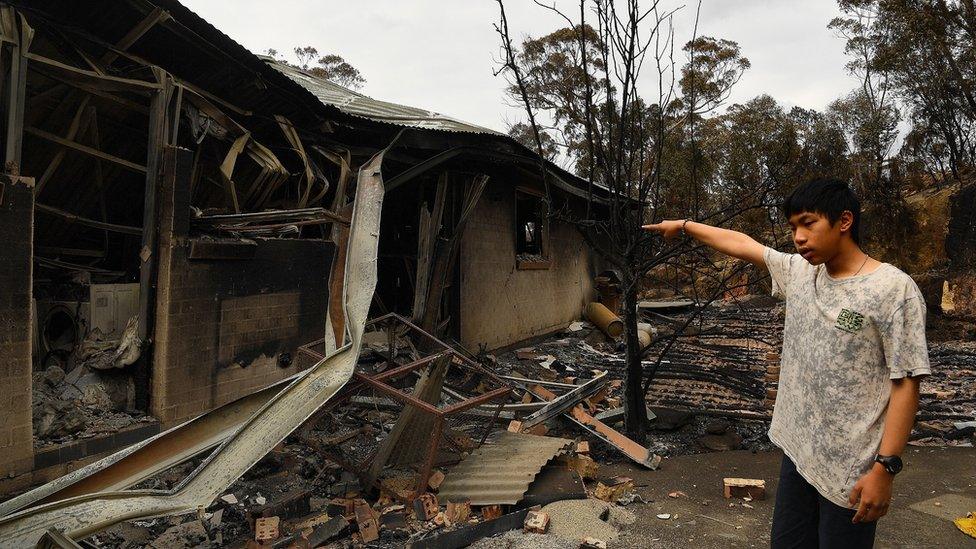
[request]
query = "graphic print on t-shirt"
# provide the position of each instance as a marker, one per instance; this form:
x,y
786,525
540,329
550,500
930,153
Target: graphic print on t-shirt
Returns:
x,y
850,321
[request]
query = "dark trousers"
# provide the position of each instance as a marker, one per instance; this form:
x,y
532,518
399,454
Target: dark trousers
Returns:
x,y
804,519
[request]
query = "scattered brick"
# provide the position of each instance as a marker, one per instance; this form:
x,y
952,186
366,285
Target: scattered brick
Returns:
x,y
536,522
744,487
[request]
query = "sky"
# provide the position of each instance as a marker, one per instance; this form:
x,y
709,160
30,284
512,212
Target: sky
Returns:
x,y
441,55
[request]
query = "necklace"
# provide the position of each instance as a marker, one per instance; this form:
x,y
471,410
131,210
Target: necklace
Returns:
x,y
863,263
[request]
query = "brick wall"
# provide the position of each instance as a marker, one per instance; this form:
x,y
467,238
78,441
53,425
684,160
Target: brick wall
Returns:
x,y
228,312
500,304
16,233
223,325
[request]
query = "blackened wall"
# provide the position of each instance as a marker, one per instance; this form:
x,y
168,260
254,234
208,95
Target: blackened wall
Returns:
x,y
16,234
229,315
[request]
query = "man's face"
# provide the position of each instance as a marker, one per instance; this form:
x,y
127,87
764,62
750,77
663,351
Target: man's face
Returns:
x,y
815,238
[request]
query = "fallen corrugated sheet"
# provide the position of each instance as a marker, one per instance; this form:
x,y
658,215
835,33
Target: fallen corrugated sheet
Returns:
x,y
142,460
80,516
500,471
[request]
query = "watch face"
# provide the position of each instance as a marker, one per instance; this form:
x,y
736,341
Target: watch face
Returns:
x,y
894,464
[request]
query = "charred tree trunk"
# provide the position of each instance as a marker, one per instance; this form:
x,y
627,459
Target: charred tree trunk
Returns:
x,y
635,410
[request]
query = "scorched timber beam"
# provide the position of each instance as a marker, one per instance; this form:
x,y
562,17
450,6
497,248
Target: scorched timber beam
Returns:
x,y
91,151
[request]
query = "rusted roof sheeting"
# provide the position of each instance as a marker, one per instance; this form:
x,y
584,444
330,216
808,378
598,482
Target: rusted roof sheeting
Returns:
x,y
500,472
357,104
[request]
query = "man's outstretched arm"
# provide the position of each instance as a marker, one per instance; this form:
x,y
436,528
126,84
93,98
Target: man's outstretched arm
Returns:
x,y
732,243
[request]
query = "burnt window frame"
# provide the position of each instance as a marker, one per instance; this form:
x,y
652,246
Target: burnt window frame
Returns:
x,y
522,196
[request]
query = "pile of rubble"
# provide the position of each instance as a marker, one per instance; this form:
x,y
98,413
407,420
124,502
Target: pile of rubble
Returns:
x,y
429,447
94,397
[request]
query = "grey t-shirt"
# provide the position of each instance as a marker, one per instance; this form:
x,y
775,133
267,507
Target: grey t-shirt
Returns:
x,y
843,340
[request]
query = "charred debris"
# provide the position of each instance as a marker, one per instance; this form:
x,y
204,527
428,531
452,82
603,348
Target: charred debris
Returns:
x,y
186,221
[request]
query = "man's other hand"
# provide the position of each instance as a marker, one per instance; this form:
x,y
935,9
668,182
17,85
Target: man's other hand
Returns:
x,y
872,495
669,229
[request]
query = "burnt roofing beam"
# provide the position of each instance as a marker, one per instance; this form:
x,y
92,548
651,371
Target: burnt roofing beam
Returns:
x,y
157,15
442,157
73,218
91,151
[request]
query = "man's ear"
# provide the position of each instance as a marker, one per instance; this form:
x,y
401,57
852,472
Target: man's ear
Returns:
x,y
846,221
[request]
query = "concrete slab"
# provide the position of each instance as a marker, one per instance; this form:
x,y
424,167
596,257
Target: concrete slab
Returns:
x,y
946,506
704,519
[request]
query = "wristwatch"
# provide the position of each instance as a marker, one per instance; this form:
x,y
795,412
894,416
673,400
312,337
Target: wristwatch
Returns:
x,y
892,464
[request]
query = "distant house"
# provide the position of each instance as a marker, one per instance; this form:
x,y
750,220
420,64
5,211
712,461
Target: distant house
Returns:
x,y
155,171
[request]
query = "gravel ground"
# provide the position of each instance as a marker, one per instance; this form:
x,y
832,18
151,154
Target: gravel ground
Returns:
x,y
517,539
574,519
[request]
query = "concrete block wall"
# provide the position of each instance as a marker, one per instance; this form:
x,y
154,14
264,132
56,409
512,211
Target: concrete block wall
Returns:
x,y
500,304
16,253
225,328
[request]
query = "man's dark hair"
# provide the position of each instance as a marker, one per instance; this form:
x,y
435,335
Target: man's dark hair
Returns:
x,y
829,197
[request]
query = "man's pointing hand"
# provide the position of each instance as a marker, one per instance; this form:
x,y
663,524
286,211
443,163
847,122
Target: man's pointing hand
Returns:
x,y
668,228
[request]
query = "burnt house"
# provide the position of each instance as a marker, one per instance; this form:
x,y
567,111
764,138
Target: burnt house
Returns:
x,y
172,207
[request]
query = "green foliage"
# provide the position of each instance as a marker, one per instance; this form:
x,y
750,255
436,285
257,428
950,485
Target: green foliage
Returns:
x,y
332,67
714,67
926,49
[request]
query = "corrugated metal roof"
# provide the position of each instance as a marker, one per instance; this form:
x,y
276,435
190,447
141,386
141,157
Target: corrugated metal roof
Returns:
x,y
357,104
500,471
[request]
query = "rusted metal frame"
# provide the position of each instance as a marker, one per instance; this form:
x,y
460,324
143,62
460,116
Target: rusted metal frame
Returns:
x,y
70,134
425,334
406,368
477,400
401,396
91,151
73,218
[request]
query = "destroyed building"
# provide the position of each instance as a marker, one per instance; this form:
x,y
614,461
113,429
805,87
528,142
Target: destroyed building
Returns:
x,y
171,205
208,249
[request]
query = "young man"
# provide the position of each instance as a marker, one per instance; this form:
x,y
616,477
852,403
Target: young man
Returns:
x,y
853,350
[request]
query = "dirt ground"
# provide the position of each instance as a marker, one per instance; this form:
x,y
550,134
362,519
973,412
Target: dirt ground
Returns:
x,y
938,484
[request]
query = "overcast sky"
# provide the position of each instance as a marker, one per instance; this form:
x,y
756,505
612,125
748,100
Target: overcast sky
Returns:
x,y
440,54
